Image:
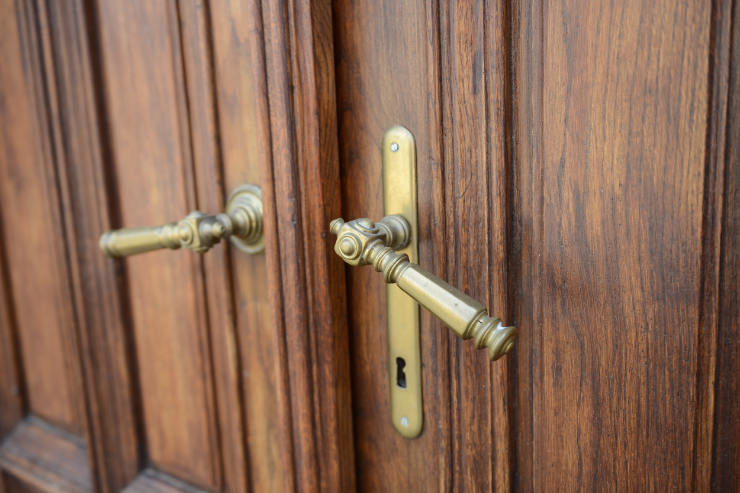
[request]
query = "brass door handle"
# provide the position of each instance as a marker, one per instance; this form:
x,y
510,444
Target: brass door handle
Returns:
x,y
362,242
242,221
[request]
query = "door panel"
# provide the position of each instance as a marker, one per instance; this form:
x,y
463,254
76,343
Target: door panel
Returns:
x,y
612,201
195,376
595,236
620,300
51,376
150,141
389,73
42,372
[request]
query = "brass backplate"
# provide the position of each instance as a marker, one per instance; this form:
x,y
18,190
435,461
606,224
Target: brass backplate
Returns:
x,y
399,197
247,195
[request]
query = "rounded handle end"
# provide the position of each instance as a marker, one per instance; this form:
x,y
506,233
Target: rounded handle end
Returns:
x,y
489,332
106,244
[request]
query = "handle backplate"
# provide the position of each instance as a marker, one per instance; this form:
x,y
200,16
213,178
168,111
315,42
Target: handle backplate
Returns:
x,y
404,347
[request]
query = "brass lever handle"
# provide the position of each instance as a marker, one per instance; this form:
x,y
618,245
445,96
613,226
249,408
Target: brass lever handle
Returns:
x,y
242,221
362,242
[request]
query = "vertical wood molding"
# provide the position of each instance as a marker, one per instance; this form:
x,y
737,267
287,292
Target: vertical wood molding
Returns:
x,y
11,383
98,285
152,151
196,38
711,257
725,381
527,135
473,44
245,142
300,78
37,268
500,168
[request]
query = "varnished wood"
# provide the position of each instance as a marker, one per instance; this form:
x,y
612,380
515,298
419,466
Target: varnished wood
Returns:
x,y
610,238
244,135
577,171
720,67
443,74
210,194
473,61
11,386
387,74
46,457
726,382
99,294
526,157
299,63
37,269
151,156
154,481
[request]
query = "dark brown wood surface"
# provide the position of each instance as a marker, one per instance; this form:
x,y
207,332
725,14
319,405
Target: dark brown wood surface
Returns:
x,y
604,233
40,324
725,465
194,375
578,173
615,193
45,333
441,72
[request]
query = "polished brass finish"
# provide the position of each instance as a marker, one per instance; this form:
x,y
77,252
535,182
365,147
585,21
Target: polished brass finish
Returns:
x,y
242,222
362,242
404,347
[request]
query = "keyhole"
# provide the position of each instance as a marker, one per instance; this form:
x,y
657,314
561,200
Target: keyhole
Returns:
x,y
400,374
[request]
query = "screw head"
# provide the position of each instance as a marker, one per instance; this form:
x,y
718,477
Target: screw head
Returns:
x,y
394,146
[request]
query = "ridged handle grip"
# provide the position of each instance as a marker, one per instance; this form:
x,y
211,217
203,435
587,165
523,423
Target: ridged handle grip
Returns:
x,y
130,241
362,242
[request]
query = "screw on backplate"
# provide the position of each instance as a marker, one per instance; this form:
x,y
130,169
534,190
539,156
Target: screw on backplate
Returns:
x,y
404,421
394,147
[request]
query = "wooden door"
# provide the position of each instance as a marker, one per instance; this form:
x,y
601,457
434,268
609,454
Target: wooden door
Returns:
x,y
577,166
578,172
169,371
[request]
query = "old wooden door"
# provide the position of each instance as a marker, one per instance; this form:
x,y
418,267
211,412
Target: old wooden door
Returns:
x,y
169,371
578,172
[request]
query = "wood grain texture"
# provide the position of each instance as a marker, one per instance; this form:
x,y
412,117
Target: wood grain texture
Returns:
x,y
154,481
388,73
579,172
526,156
442,71
610,238
146,105
475,72
210,196
297,383
30,202
711,261
11,385
11,484
299,67
283,195
244,133
46,457
104,334
726,431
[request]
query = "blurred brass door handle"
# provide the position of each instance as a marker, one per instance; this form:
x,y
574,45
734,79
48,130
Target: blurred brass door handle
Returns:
x,y
242,222
362,242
